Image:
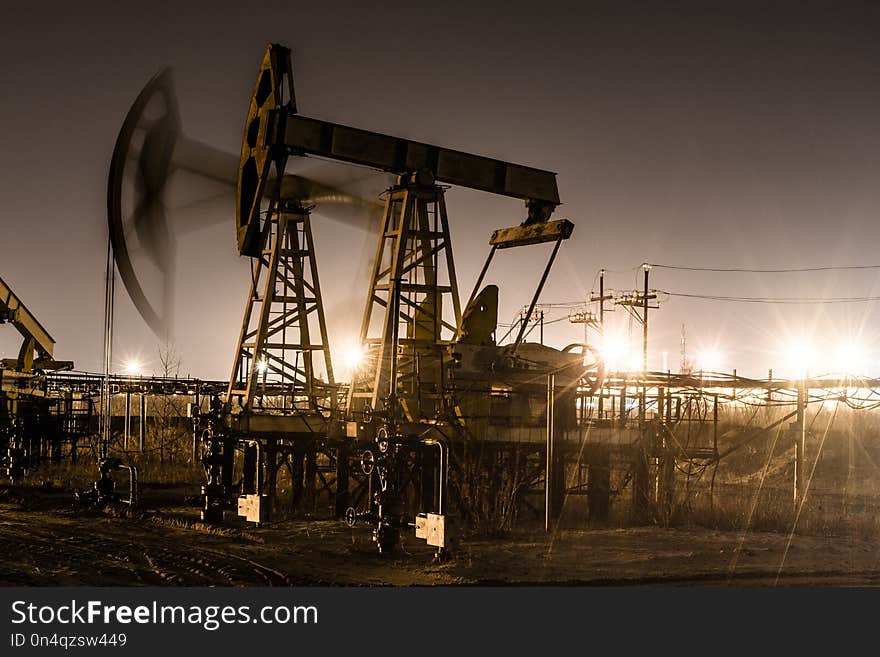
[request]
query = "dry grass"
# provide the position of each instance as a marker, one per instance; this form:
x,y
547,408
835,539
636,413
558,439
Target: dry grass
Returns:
x,y
750,489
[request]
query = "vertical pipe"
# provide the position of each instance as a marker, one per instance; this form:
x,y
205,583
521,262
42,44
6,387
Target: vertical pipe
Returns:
x,y
800,442
395,347
444,457
644,401
142,428
419,383
601,410
108,349
444,460
311,472
645,323
259,473
548,473
342,480
850,462
132,486
197,402
127,420
715,428
271,465
249,467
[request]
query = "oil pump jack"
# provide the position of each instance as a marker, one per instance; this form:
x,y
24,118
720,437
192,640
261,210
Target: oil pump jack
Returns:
x,y
28,427
401,403
431,371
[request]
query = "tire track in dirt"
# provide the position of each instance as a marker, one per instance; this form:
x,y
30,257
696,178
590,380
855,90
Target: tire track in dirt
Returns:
x,y
51,559
55,556
210,567
272,577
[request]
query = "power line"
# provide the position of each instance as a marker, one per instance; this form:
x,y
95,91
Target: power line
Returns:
x,y
766,271
775,300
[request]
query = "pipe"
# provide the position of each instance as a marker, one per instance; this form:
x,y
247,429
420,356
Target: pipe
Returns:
x,y
132,485
444,449
259,478
551,400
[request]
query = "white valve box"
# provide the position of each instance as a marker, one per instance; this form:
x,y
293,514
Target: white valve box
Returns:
x,y
253,508
432,528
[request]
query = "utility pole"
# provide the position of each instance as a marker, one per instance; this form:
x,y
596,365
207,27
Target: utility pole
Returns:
x,y
586,318
644,409
631,301
647,269
537,315
602,298
640,299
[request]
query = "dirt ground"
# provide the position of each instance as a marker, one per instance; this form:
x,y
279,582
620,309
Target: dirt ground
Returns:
x,y
46,540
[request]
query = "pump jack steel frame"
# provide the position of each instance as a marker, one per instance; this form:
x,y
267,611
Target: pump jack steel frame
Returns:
x,y
404,397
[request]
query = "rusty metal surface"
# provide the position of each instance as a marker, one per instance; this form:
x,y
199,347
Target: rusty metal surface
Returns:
x,y
538,233
303,135
12,310
273,80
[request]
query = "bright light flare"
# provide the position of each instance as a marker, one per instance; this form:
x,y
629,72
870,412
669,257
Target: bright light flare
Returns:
x,y
133,367
851,358
353,358
635,363
615,351
800,356
709,360
262,366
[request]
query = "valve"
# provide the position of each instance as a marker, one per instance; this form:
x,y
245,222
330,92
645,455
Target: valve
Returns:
x,y
368,462
103,491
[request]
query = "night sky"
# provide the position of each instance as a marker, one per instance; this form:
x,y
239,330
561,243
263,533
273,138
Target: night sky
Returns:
x,y
705,137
